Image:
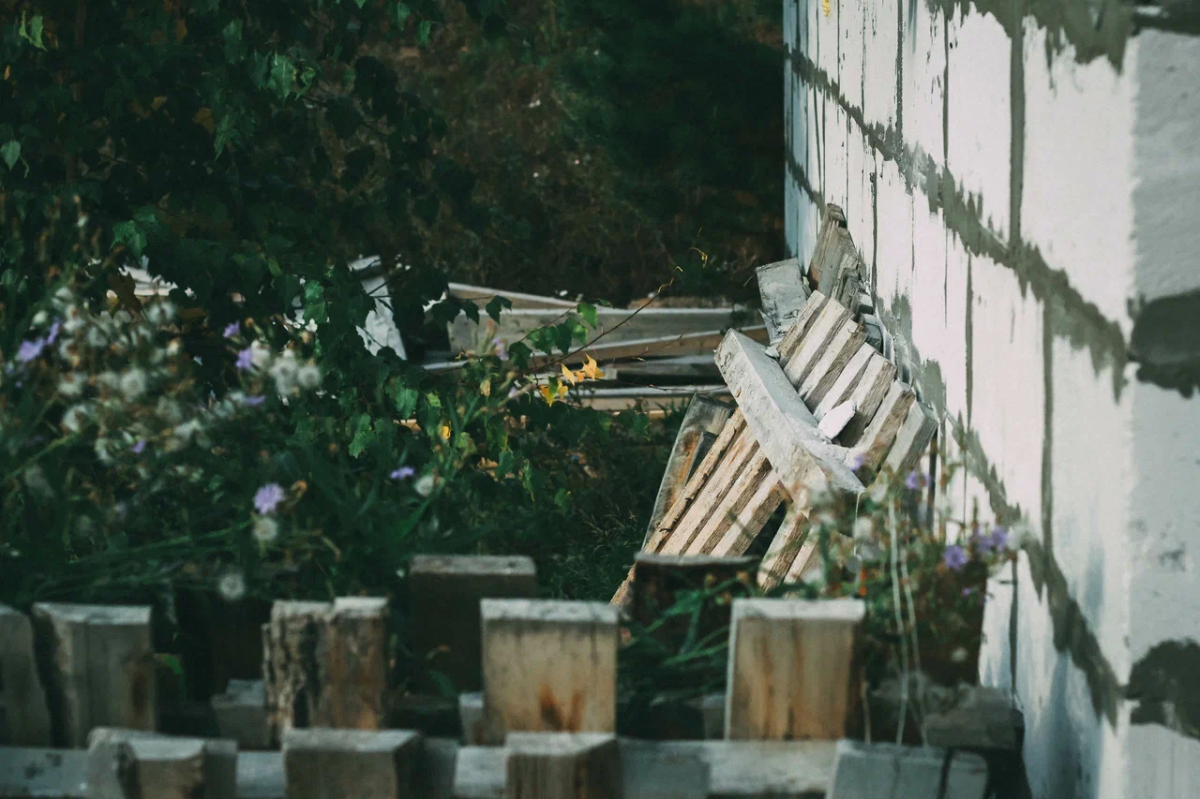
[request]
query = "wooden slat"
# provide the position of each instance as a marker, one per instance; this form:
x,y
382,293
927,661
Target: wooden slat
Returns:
x,y
912,440
783,425
843,387
784,547
839,351
801,325
832,220
805,357
877,440
756,477
740,456
753,517
868,395
729,435
481,296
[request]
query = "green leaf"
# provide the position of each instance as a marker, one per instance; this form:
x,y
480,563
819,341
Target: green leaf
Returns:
x,y
495,306
11,153
402,13
127,233
423,32
360,3
235,48
363,435
406,402
35,32
314,303
588,312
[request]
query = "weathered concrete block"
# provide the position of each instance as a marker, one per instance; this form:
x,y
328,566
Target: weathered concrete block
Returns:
x,y
135,764
241,714
98,665
563,766
444,595
470,713
321,763
793,669
24,714
869,771
548,666
783,292
42,773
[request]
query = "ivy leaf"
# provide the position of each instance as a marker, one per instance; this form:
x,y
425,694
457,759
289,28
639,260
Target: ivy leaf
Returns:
x,y
495,306
314,303
127,233
235,48
402,13
472,311
423,32
588,312
11,153
363,435
360,3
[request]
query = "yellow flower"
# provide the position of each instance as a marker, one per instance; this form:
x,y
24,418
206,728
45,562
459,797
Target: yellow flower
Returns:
x,y
550,394
445,431
592,369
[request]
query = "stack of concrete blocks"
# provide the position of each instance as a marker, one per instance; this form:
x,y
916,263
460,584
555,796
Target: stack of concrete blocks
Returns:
x,y
1023,180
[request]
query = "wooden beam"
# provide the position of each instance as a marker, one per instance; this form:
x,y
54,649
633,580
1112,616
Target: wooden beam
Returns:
x,y
832,220
741,454
742,512
868,394
520,301
829,320
832,362
784,547
843,388
548,666
801,325
912,440
563,766
877,439
793,669
781,287
782,424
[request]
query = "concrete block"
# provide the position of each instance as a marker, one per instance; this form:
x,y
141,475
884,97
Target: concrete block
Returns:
x,y
470,712
444,595
39,773
851,30
869,771
979,149
99,668
24,714
836,152
321,763
563,766
548,666
826,30
133,764
241,714
895,235
923,52
881,31
793,669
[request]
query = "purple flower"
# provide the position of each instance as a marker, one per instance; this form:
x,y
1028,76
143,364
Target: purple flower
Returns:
x,y
513,393
137,448
968,591
983,543
245,359
255,401
403,473
232,329
999,538
857,462
267,498
53,334
501,348
954,557
913,481
30,350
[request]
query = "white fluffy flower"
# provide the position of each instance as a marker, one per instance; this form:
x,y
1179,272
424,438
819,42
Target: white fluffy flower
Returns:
x,y
35,481
183,433
39,318
72,384
260,354
231,586
168,409
101,448
75,417
309,377
424,485
133,383
160,313
863,528
96,338
284,372
265,529
174,347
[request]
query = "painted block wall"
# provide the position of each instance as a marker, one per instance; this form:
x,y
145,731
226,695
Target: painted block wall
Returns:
x,y
1023,179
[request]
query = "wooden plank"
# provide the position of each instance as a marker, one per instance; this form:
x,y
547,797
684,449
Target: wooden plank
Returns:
x,y
912,441
100,662
562,766
830,364
781,287
793,669
752,518
24,714
751,500
874,384
807,558
520,301
783,425
548,666
703,415
831,426
844,386
828,322
740,457
832,220
877,439
444,593
801,325
785,546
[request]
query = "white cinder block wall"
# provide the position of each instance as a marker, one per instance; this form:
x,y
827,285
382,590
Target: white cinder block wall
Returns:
x,y
1023,180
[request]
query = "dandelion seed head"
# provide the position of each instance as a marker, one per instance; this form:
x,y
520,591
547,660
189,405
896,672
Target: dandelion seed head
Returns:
x,y
265,530
231,586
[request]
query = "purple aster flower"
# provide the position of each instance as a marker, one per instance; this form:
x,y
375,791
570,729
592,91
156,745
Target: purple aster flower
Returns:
x,y
255,401
267,498
245,359
53,334
857,462
30,350
983,543
513,393
403,473
501,348
968,591
137,448
999,538
954,557
913,481
232,329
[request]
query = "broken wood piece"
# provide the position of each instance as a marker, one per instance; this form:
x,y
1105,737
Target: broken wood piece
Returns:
x,y
782,424
241,714
326,665
871,770
604,351
839,352
136,764
793,669
871,449
563,766
703,415
548,666
832,220
843,388
831,318
24,713
322,763
98,665
803,322
785,546
836,420
444,594
739,457
781,287
872,387
912,440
